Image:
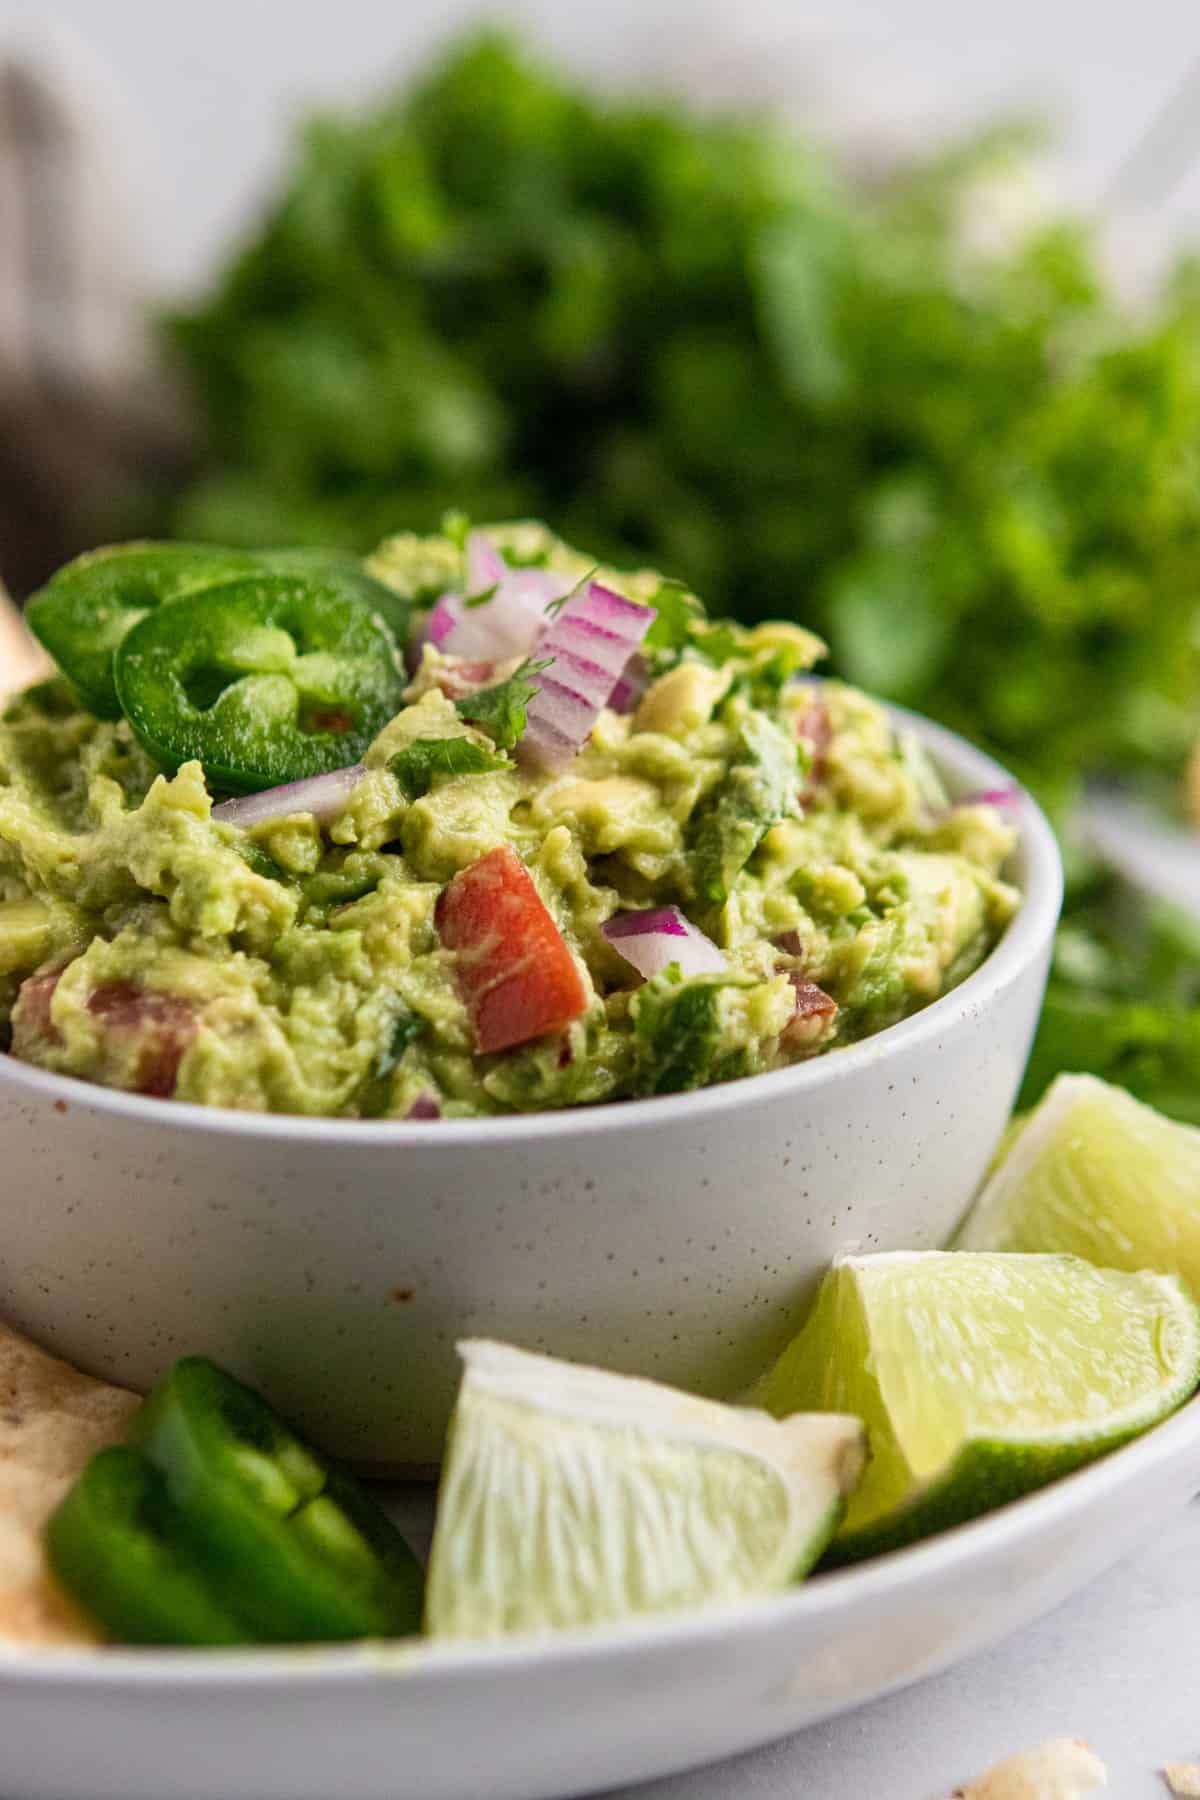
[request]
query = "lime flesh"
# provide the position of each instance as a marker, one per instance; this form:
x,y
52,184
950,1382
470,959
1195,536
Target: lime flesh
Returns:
x,y
1095,1173
982,1376
571,1496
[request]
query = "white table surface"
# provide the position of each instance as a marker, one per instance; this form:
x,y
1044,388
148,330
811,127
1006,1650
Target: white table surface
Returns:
x,y
1117,1665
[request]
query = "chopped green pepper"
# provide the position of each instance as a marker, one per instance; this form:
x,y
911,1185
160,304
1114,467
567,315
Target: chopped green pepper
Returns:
x,y
296,1549
121,1549
84,611
338,568
262,680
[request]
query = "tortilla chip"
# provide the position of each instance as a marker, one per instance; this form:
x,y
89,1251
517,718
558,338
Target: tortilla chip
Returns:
x,y
52,1421
1183,1779
1063,1769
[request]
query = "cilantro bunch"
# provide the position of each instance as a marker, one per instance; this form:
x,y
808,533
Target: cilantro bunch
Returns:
x,y
684,340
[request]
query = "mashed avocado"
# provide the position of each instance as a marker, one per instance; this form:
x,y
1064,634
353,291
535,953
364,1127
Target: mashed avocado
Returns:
x,y
330,968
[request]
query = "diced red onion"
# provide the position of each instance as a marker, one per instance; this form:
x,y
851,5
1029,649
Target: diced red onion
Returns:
x,y
507,624
443,619
424,1107
654,939
486,567
1005,799
590,643
324,796
631,686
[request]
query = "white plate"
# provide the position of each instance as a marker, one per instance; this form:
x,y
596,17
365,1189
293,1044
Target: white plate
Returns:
x,y
586,1710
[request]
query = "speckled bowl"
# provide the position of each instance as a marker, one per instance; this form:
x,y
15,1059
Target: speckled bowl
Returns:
x,y
335,1264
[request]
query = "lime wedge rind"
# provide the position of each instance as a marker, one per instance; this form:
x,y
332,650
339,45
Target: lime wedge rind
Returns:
x,y
982,1377
985,1475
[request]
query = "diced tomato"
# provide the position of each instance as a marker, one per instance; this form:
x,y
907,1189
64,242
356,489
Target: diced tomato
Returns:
x,y
159,1026
31,1021
514,970
815,727
813,1013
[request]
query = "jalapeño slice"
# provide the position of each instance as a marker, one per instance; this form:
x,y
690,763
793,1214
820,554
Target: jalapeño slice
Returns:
x,y
297,1549
84,611
122,1551
263,680
343,570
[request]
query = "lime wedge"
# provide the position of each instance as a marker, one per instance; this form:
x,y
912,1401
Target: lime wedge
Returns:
x,y
1097,1174
982,1376
572,1496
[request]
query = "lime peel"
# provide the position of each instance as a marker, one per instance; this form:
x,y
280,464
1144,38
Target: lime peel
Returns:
x,y
982,1376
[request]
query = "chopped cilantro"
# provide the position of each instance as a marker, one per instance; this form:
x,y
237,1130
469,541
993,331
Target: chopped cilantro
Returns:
x,y
457,527
407,1027
500,710
416,765
760,789
679,612
554,607
679,1033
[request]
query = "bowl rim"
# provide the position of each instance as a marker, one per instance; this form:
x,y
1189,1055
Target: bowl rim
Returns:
x,y
1027,937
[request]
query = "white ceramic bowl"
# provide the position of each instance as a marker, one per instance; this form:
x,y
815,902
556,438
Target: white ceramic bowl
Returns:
x,y
335,1263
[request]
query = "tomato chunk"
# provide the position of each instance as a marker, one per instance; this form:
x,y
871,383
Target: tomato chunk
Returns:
x,y
31,1021
157,1028
514,970
813,1013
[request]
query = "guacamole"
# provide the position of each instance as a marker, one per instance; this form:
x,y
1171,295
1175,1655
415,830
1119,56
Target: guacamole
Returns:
x,y
527,892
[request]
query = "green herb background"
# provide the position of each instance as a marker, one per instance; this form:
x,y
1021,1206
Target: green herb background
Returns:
x,y
690,341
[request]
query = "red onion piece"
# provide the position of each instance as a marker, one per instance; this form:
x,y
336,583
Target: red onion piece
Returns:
x,y
486,567
324,796
1006,799
507,624
1008,795
424,1107
654,939
590,642
443,619
631,686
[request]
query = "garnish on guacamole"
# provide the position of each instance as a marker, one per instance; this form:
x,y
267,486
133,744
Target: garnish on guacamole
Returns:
x,y
480,828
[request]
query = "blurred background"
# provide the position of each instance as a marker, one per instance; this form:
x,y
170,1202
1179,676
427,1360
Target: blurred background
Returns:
x,y
884,318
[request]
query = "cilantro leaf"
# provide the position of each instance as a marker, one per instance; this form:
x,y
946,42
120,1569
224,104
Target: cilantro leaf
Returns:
x,y
760,788
482,597
416,765
554,607
680,1042
679,612
500,710
407,1027
457,527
